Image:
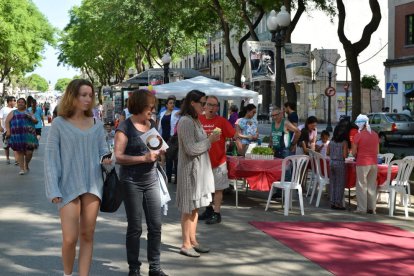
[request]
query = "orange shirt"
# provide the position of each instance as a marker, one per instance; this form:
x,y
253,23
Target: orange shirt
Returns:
x,y
217,151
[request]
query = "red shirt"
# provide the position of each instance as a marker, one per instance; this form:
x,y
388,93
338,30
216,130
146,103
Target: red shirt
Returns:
x,y
367,150
217,151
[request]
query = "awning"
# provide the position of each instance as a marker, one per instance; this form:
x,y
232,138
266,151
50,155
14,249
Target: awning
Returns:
x,y
409,93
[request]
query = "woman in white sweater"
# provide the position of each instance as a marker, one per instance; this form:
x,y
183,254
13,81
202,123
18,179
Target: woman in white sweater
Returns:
x,y
73,177
195,176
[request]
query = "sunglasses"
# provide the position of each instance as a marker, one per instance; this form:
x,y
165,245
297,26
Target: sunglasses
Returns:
x,y
274,115
202,103
211,105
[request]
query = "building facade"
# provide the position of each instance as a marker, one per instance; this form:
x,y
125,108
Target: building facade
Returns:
x,y
399,66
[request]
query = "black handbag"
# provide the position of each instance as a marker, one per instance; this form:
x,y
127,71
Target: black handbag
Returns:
x,y
112,194
172,151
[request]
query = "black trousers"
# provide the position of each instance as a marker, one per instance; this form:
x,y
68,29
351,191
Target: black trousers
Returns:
x,y
138,198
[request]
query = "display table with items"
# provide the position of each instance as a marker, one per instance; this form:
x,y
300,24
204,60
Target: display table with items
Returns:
x,y
259,173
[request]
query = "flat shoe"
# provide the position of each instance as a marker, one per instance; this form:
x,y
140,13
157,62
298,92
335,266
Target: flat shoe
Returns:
x,y
189,252
21,172
201,249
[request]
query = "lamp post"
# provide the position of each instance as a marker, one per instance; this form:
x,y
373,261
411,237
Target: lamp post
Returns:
x,y
243,81
328,93
131,72
277,25
166,59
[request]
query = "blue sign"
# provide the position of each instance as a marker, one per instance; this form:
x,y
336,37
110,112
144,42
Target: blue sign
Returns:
x,y
391,88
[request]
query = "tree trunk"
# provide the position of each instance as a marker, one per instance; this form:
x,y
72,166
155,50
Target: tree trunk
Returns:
x,y
352,50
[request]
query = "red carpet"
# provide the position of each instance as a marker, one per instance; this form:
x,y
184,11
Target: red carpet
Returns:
x,y
348,248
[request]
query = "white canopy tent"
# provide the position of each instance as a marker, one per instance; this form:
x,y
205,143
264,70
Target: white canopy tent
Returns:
x,y
223,91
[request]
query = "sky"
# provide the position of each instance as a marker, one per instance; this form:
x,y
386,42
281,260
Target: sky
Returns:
x,y
57,12
313,28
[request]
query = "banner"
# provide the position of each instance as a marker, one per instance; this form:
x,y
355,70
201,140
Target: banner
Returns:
x,y
261,56
298,62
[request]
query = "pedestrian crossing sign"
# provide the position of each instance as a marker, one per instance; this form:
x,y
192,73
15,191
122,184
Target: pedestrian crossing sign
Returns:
x,y
392,88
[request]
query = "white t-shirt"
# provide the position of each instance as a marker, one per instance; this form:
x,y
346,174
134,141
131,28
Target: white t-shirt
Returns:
x,y
323,149
3,115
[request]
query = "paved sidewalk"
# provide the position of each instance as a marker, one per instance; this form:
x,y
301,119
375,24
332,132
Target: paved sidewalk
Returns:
x,y
30,234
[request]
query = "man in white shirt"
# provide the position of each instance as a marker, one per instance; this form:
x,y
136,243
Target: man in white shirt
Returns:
x,y
11,103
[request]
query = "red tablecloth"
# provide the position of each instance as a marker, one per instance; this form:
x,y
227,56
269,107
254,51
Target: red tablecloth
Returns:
x,y
259,174
381,174
351,173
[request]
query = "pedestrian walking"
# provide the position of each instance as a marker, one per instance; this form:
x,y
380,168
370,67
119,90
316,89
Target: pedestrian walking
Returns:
x,y
138,175
11,102
73,178
22,135
195,176
38,114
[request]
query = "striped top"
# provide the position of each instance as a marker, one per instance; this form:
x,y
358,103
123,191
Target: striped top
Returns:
x,y
195,181
72,160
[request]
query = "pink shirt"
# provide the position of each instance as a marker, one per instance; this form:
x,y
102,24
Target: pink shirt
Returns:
x,y
367,150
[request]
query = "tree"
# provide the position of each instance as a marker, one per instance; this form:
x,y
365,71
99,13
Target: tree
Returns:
x,y
61,84
369,82
35,82
24,33
352,50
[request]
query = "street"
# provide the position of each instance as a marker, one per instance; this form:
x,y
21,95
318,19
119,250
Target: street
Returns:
x,y
30,235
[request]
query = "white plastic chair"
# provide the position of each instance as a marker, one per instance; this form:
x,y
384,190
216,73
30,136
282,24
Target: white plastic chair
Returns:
x,y
400,183
387,157
298,164
312,177
382,188
410,157
322,177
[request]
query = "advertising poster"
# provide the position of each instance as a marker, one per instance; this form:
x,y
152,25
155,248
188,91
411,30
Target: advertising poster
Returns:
x,y
261,56
340,104
155,78
298,62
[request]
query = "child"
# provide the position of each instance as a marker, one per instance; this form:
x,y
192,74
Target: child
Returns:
x,y
322,144
338,151
110,135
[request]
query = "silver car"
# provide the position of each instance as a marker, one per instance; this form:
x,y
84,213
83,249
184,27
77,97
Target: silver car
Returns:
x,y
392,127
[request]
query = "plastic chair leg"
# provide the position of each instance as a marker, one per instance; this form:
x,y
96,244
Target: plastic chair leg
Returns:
x,y
406,203
302,211
313,191
237,193
287,202
392,203
269,198
320,189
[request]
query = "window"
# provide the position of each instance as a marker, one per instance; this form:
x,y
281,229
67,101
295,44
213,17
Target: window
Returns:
x,y
409,29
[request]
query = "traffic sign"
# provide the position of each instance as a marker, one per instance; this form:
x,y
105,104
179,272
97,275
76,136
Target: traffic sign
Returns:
x,y
330,91
391,88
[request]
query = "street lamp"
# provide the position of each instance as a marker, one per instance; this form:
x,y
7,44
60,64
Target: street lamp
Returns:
x,y
277,25
330,69
131,72
243,81
166,59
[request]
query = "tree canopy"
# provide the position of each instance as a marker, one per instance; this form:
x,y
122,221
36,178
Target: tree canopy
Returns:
x,y
34,82
24,34
62,83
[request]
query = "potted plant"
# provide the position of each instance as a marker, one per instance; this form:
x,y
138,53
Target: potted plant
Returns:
x,y
261,153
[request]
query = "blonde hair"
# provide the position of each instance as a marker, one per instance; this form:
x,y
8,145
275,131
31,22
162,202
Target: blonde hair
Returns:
x,y
66,106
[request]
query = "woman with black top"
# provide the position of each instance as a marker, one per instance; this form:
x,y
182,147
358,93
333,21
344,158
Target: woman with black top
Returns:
x,y
138,174
166,127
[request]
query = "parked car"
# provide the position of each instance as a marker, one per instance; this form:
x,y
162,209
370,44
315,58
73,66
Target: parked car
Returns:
x,y
392,127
